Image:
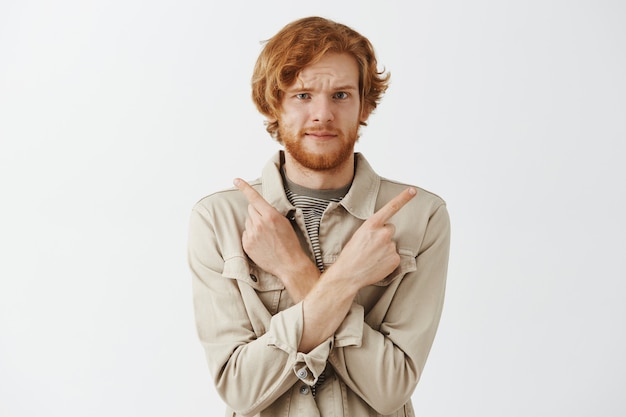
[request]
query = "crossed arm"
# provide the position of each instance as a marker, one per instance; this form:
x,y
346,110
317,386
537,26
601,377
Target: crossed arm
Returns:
x,y
370,255
254,362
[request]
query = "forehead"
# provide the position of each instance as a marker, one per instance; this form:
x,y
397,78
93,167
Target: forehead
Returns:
x,y
333,68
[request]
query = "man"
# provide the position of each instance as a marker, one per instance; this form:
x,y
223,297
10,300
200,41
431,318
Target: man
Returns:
x,y
318,288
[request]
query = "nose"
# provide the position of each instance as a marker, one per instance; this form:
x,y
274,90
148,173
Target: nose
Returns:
x,y
322,111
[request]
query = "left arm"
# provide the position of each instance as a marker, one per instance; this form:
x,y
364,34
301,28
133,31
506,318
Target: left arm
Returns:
x,y
394,354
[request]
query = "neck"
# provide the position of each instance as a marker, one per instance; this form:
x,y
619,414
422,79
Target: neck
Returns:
x,y
330,179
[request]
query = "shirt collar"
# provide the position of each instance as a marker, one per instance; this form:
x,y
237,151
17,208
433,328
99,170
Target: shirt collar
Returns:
x,y
360,201
361,198
272,185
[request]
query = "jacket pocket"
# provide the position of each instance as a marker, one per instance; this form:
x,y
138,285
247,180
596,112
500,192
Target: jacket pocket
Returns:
x,y
255,284
407,264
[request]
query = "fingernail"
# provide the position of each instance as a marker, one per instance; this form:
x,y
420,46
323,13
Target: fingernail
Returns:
x,y
236,181
412,191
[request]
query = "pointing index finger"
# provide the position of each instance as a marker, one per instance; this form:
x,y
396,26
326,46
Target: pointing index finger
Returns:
x,y
254,198
387,211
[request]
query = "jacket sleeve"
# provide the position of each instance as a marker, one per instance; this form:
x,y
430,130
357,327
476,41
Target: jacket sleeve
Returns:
x,y
252,355
396,351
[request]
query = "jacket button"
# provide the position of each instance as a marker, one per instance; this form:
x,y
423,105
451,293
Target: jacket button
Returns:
x,y
302,373
253,277
304,390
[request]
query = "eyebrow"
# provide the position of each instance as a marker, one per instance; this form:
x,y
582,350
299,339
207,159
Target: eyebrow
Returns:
x,y
302,87
346,87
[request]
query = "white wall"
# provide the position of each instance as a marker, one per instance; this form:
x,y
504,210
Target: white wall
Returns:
x,y
116,116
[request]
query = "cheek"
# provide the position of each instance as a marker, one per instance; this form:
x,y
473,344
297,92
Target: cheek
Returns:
x,y
284,123
290,120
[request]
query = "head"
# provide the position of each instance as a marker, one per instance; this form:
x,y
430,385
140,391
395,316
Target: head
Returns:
x,y
302,43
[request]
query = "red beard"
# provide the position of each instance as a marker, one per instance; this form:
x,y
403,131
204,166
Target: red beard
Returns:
x,y
319,161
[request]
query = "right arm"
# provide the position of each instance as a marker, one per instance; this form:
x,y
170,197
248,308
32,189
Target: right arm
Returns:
x,y
251,368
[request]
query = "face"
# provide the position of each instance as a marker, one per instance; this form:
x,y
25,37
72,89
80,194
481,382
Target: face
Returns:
x,y
320,114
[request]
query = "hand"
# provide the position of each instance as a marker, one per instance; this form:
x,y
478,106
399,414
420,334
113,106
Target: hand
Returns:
x,y
371,254
270,241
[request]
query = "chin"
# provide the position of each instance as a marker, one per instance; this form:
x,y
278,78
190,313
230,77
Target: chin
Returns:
x,y
322,162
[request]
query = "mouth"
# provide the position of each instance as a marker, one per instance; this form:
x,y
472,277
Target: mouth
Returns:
x,y
324,134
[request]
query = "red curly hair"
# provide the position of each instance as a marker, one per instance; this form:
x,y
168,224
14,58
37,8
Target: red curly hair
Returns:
x,y
304,42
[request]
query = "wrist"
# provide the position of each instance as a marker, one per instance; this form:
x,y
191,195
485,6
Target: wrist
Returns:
x,y
299,278
341,281
298,266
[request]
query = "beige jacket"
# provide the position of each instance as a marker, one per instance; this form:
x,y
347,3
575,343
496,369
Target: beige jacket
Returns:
x,y
250,328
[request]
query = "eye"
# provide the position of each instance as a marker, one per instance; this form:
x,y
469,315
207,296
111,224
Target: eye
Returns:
x,y
302,96
341,95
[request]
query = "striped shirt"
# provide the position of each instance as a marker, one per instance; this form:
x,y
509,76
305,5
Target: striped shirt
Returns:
x,y
313,203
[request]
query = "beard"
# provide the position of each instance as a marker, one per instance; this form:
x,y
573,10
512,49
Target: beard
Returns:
x,y
325,161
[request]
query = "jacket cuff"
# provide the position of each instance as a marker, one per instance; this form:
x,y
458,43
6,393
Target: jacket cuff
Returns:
x,y
285,333
350,332
309,366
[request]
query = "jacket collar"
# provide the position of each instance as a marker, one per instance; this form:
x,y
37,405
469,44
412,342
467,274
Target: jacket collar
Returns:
x,y
360,201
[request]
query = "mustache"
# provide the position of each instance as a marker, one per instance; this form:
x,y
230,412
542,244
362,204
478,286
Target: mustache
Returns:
x,y
322,128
